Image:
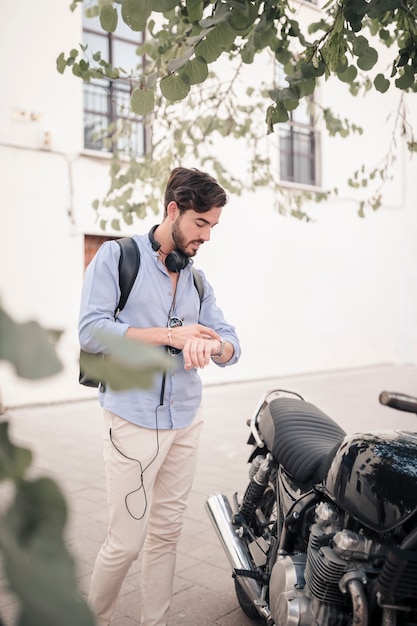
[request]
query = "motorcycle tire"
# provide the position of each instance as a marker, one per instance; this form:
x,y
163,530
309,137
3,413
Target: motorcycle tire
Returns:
x,y
246,605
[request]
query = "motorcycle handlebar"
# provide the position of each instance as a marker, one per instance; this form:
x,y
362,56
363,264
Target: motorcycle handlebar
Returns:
x,y
399,401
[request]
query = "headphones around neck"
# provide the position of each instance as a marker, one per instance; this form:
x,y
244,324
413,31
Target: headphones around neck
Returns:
x,y
175,260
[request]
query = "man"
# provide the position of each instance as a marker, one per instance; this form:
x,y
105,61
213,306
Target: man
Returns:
x,y
151,435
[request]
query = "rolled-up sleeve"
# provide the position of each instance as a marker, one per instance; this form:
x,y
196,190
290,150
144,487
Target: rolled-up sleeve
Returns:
x,y
211,315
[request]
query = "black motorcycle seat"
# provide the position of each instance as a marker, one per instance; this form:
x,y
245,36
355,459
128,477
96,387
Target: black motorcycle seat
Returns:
x,y
300,437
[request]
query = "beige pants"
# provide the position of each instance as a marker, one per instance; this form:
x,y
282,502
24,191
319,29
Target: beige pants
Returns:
x,y
149,477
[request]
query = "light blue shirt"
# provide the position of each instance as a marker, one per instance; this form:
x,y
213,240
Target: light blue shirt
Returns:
x,y
151,302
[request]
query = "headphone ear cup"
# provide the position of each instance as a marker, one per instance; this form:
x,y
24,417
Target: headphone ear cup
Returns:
x,y
155,244
176,261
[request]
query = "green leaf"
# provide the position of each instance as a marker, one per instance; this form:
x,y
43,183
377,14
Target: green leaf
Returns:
x,y
151,80
385,35
307,87
39,569
265,38
128,365
108,18
248,52
348,75
14,461
381,83
174,88
221,14
406,80
404,58
224,34
241,20
197,71
382,6
209,48
127,217
176,64
135,13
111,72
359,7
39,507
308,70
93,11
61,63
360,45
368,59
28,347
283,55
142,102
288,94
195,10
162,6
76,70
276,114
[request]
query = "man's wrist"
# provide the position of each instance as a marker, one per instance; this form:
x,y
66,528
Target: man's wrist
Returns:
x,y
221,349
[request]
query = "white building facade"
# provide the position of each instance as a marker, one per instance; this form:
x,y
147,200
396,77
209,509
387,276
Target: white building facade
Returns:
x,y
337,292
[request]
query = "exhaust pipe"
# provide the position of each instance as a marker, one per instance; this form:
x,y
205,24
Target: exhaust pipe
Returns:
x,y
221,516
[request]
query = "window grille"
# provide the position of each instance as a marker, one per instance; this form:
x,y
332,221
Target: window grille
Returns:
x,y
109,124
298,141
298,147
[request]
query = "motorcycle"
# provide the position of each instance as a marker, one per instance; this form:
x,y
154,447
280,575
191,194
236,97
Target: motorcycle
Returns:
x,y
326,531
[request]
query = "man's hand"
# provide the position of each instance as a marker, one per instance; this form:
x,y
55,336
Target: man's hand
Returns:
x,y
197,343
197,352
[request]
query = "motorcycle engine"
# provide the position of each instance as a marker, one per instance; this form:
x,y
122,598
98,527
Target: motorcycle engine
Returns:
x,y
288,602
304,588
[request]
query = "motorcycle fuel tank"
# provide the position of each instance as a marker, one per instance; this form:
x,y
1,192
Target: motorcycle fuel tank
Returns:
x,y
374,478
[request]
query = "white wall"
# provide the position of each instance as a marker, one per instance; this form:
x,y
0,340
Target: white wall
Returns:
x,y
338,292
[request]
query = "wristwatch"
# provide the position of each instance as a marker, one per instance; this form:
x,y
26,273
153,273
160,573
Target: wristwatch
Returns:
x,y
222,346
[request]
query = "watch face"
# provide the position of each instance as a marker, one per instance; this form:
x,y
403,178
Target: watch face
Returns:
x,y
174,322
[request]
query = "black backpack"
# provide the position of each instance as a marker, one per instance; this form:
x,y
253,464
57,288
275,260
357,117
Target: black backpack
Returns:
x,y
129,264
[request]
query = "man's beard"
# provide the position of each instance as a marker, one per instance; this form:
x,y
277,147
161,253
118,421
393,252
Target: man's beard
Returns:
x,y
179,239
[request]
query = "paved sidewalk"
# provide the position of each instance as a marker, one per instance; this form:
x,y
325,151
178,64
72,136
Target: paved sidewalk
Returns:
x,y
66,440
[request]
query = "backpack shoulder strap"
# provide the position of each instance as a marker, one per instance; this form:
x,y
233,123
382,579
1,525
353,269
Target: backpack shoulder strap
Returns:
x,y
199,285
129,263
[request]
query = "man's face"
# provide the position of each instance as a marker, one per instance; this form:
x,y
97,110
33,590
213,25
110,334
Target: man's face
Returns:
x,y
190,229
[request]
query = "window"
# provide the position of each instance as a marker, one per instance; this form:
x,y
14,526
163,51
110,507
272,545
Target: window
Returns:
x,y
106,102
298,147
298,141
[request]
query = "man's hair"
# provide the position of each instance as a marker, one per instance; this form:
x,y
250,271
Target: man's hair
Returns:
x,y
192,189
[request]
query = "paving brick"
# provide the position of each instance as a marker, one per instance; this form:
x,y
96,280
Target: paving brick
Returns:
x,y
66,440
